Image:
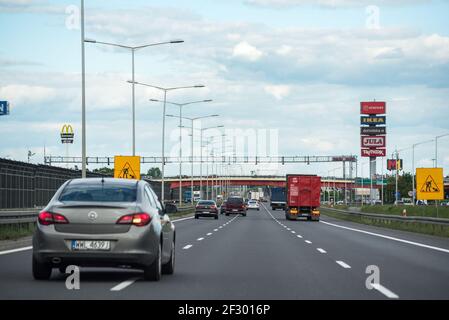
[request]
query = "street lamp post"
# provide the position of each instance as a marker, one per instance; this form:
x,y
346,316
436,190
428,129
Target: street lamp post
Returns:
x,y
83,98
201,155
413,166
436,147
191,142
181,105
133,50
165,90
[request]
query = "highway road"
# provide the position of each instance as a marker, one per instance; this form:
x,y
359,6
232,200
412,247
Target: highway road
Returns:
x,y
261,256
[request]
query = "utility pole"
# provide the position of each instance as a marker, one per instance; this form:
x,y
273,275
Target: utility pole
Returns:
x,y
396,188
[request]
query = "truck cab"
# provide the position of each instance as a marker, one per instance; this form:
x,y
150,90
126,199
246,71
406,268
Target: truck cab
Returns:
x,y
277,199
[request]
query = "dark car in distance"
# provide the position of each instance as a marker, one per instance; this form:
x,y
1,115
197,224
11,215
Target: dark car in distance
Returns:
x,y
206,208
223,207
235,205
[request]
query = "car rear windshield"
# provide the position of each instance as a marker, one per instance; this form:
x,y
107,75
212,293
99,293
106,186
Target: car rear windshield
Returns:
x,y
99,193
206,203
235,201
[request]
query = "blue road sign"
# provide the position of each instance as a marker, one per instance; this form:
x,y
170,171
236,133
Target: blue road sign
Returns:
x,y
4,108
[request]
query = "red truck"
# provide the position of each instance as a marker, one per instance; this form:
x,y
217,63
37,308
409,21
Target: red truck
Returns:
x,y
303,197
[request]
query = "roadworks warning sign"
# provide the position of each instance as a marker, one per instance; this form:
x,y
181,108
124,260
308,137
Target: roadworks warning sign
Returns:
x,y
127,167
429,184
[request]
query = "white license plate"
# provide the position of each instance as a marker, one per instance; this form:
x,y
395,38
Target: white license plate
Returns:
x,y
234,210
91,245
206,212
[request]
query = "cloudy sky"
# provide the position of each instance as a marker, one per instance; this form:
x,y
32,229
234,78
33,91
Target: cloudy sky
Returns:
x,y
297,68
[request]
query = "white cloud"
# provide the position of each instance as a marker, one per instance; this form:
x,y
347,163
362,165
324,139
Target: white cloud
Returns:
x,y
23,94
246,51
284,50
278,91
330,3
318,78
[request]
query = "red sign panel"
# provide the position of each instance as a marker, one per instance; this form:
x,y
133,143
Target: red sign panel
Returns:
x,y
373,141
374,152
393,164
373,107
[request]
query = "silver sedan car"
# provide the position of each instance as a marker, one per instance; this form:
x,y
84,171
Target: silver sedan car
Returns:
x,y
104,222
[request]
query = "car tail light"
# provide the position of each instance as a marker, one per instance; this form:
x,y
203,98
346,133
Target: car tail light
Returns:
x,y
137,219
46,218
213,207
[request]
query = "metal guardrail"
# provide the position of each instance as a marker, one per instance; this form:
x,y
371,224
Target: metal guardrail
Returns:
x,y
30,215
185,209
18,216
418,219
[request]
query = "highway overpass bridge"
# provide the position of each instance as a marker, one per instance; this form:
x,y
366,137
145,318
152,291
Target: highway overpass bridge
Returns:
x,y
252,181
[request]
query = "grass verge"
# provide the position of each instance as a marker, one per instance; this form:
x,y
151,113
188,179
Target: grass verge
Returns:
x,y
16,231
423,211
425,228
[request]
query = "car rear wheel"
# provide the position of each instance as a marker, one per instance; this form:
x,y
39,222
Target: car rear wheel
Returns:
x,y
153,271
169,267
41,270
196,217
216,217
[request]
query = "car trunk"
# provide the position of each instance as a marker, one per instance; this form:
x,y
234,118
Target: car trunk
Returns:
x,y
93,217
235,205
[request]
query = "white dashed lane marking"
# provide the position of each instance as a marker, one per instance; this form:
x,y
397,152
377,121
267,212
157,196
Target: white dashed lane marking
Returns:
x,y
308,241
321,250
199,239
343,264
386,292
124,284
187,246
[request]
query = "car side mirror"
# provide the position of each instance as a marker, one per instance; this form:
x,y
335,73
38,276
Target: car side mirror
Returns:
x,y
170,208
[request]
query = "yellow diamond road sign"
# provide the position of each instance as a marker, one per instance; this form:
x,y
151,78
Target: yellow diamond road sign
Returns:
x,y
127,167
429,184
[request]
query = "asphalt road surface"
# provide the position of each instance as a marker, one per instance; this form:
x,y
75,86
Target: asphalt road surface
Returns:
x,y
262,256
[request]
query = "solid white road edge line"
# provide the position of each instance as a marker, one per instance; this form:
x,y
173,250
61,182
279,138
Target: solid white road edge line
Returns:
x,y
388,237
182,219
16,250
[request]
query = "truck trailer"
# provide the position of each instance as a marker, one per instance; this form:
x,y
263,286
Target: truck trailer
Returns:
x,y
303,197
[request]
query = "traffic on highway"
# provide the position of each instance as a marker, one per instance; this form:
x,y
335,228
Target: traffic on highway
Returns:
x,y
234,159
